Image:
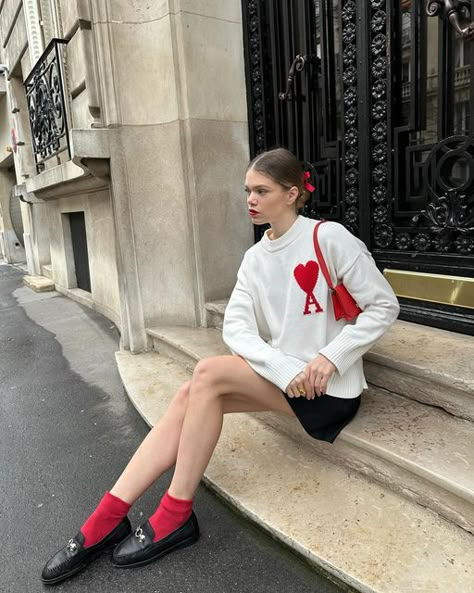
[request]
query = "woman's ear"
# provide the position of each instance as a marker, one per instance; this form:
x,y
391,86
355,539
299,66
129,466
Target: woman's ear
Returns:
x,y
293,195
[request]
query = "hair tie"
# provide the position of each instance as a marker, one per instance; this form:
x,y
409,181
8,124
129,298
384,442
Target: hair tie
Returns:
x,y
306,183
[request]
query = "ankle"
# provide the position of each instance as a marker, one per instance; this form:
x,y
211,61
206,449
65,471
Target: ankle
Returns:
x,y
123,496
180,493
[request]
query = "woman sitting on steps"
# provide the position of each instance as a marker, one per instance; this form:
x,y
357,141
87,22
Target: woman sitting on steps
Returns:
x,y
290,355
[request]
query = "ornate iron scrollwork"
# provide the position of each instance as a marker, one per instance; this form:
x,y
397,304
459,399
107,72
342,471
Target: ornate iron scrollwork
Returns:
x,y
455,12
46,104
449,214
450,221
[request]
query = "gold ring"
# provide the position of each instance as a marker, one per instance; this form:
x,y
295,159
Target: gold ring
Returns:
x,y
301,391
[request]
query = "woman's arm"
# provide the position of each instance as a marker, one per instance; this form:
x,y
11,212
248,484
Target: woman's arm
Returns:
x,y
240,333
380,308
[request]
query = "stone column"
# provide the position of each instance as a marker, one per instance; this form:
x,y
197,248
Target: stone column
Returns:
x,y
172,84
208,46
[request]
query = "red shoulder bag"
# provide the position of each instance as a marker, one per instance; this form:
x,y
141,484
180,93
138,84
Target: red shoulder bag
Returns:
x,y
343,304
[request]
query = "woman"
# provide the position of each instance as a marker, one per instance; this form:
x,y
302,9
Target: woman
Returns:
x,y
290,356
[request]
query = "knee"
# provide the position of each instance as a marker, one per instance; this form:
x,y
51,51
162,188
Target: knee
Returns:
x,y
204,371
205,377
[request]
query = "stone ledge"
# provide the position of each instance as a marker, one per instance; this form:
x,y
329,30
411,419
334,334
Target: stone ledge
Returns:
x,y
39,283
360,533
85,299
422,351
419,451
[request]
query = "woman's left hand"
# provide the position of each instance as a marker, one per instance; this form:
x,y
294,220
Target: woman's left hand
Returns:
x,y
318,372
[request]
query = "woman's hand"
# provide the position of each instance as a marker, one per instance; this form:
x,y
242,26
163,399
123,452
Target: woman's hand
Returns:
x,y
299,387
313,380
318,372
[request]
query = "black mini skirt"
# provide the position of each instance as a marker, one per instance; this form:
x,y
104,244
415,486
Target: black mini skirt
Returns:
x,y
324,417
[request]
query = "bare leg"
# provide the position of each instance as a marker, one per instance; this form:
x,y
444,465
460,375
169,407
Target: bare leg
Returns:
x,y
220,384
157,453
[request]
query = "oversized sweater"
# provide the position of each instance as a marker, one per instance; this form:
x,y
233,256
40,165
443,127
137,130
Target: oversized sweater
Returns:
x,y
280,313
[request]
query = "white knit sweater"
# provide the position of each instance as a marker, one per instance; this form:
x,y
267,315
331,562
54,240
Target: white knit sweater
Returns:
x,y
280,313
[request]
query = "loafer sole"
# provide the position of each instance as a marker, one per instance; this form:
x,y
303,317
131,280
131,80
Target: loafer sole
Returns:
x,y
183,544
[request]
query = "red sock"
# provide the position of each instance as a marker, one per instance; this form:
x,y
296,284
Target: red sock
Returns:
x,y
108,514
171,514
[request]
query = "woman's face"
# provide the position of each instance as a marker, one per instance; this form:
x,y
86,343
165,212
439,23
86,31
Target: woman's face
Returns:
x,y
267,200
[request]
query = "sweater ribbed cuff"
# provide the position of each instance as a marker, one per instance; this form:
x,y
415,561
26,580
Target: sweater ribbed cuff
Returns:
x,y
279,372
341,353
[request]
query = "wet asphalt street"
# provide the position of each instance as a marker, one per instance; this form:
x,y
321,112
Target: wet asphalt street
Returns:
x,y
66,431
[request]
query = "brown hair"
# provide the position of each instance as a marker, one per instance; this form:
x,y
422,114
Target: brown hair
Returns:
x,y
284,168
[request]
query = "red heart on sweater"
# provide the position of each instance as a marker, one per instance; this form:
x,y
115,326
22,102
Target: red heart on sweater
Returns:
x,y
307,276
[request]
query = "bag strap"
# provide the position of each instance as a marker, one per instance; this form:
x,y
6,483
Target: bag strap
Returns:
x,y
319,255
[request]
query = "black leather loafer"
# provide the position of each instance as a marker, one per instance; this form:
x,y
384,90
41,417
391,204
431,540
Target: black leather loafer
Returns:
x,y
139,549
74,557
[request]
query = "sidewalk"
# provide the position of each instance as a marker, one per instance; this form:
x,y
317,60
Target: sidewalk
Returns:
x,y
66,430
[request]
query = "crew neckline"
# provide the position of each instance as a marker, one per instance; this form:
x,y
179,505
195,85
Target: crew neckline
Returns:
x,y
291,234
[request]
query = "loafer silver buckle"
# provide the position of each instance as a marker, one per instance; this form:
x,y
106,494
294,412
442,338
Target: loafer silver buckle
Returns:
x,y
139,534
72,546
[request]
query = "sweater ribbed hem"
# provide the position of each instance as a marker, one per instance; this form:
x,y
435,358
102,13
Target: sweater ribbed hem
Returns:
x,y
348,387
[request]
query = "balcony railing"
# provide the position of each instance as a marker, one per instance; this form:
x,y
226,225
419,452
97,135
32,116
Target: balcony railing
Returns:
x,y
462,78
48,111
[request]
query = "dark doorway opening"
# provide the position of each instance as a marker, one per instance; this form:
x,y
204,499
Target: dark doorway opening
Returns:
x,y
79,248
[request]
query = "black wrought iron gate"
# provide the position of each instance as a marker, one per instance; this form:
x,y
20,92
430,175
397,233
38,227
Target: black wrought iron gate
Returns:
x,y
381,105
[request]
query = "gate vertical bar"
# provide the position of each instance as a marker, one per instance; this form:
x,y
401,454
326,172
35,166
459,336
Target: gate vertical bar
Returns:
x,y
253,48
364,103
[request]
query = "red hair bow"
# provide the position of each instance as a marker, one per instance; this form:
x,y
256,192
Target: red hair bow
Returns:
x,y
307,184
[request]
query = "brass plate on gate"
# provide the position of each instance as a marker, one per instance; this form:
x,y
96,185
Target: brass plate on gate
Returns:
x,y
436,288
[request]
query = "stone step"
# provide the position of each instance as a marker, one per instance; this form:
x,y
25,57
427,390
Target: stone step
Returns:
x,y
39,283
187,345
355,530
430,365
419,451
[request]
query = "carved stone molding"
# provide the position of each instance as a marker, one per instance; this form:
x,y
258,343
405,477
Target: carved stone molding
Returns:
x,y
102,31
33,29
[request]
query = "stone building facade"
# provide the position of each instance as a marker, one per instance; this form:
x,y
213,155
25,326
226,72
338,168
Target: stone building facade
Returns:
x,y
132,205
